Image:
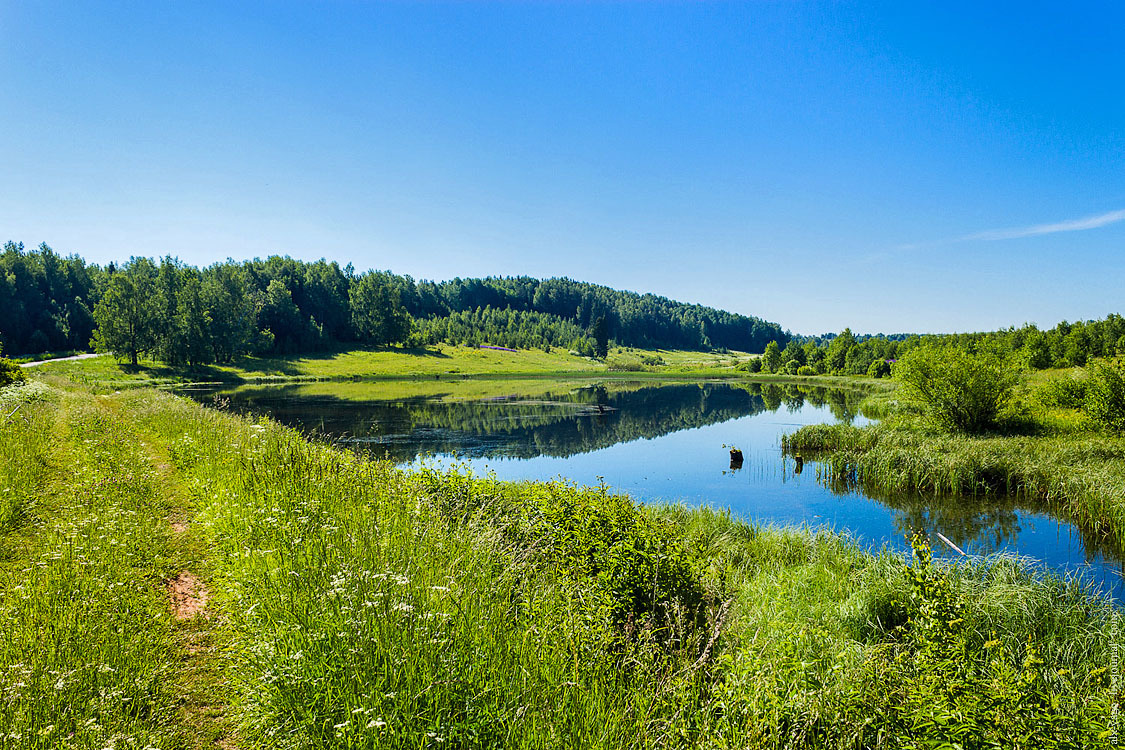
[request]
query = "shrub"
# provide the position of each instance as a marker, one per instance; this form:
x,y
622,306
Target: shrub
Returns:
x,y
791,367
957,389
1105,396
1064,392
879,368
806,370
10,372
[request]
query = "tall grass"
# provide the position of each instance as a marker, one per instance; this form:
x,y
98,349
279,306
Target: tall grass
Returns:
x,y
374,606
86,650
1080,475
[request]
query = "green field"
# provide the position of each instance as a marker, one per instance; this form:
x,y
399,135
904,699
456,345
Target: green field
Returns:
x,y
178,577
441,361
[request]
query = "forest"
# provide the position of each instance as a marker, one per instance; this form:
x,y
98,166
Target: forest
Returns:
x,y
180,314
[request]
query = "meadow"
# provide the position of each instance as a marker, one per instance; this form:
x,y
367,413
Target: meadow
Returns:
x,y
180,577
441,361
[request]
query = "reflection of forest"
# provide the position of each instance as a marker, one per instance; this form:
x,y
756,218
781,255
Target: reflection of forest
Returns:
x,y
560,422
979,524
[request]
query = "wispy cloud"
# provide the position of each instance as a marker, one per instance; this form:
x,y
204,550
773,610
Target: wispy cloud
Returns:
x,y
1071,225
1035,230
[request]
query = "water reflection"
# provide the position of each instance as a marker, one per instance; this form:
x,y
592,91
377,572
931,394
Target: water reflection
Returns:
x,y
668,442
557,420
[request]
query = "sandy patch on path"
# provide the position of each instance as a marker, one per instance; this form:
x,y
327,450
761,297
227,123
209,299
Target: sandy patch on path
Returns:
x,y
188,596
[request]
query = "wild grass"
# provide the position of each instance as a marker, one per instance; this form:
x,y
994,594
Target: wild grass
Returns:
x,y
370,606
378,606
87,655
1072,470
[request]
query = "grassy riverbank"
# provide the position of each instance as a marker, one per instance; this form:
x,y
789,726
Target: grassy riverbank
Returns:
x,y
342,602
1044,452
393,362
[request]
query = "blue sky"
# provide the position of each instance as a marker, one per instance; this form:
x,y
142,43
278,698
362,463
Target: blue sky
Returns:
x,y
885,166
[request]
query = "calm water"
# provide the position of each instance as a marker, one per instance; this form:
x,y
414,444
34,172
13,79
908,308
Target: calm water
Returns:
x,y
664,442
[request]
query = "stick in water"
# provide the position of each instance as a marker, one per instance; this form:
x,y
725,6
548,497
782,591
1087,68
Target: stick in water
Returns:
x,y
951,544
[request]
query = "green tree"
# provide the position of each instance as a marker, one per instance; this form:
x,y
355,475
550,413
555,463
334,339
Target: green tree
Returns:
x,y
230,307
377,312
600,333
837,356
127,312
955,388
771,359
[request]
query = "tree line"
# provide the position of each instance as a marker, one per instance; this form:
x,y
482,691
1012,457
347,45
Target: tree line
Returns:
x,y
181,314
1064,345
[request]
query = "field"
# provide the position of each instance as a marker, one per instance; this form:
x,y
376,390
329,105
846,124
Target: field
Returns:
x,y
179,577
441,361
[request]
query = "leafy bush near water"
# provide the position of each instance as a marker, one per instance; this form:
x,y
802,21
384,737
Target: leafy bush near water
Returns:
x,y
957,389
1105,396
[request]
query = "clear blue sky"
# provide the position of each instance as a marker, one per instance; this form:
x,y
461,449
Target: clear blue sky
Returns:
x,y
887,166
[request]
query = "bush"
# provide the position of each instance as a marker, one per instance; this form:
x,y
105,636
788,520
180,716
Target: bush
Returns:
x,y
957,389
806,370
10,372
1064,392
791,367
1105,396
879,368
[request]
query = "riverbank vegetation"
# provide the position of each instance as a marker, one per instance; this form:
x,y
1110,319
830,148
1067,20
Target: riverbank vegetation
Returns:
x,y
441,361
969,420
204,577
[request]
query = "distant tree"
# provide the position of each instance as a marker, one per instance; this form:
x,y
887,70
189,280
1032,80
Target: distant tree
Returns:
x,y
771,360
836,357
377,312
226,296
600,333
879,368
127,312
279,315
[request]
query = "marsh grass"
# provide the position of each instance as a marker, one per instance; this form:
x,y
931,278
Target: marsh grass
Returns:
x,y
1079,474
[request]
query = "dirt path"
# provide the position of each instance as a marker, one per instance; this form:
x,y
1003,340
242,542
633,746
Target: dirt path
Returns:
x,y
61,359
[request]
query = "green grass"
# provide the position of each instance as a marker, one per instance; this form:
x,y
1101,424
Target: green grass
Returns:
x,y
1049,454
438,361
359,605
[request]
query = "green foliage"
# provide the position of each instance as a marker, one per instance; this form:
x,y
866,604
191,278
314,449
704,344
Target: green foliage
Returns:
x,y
599,331
377,313
954,683
128,313
1105,395
955,388
879,368
837,355
10,372
771,359
1065,392
806,370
